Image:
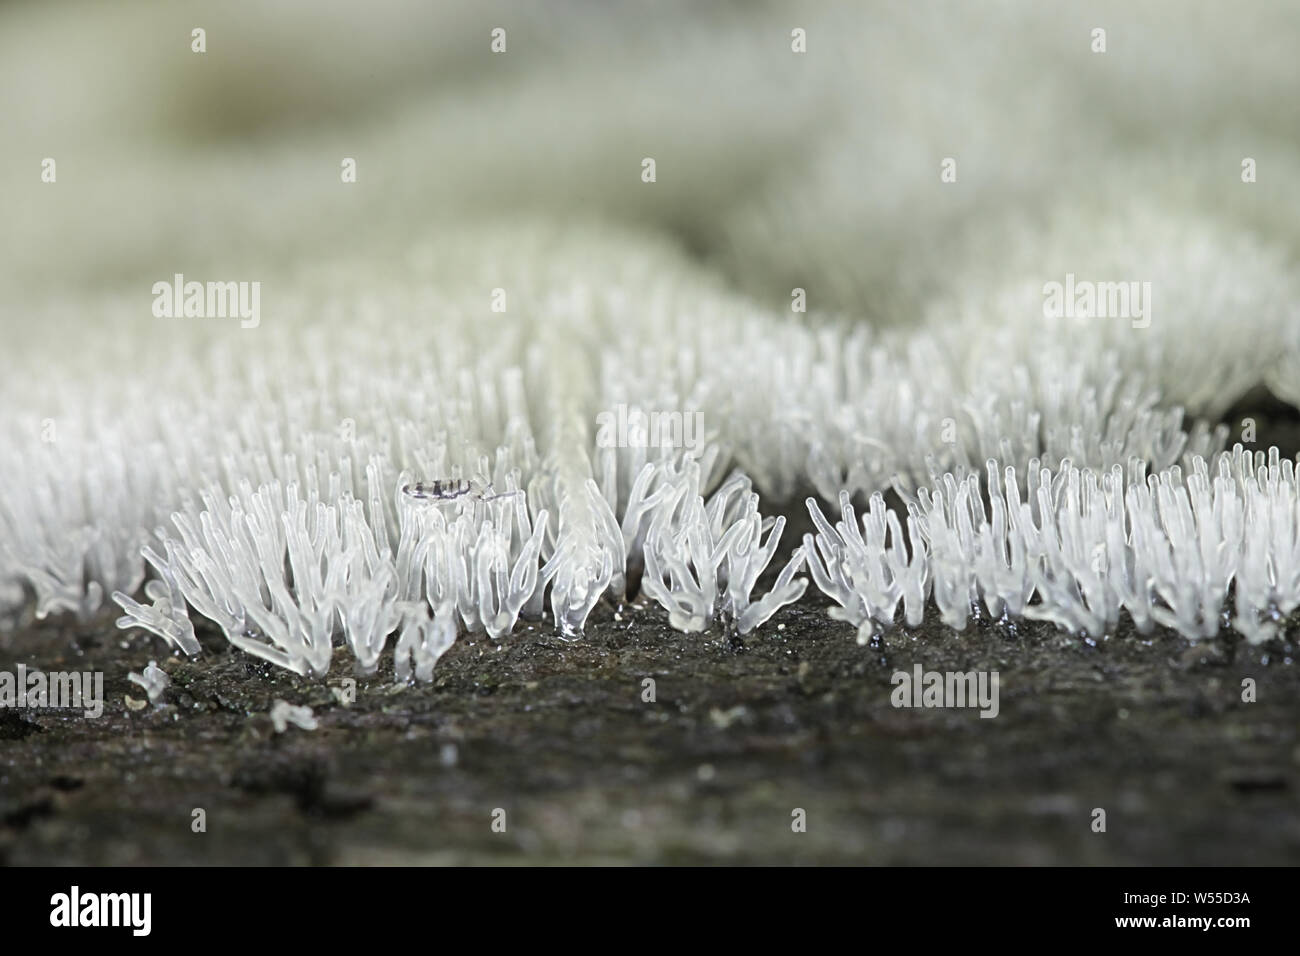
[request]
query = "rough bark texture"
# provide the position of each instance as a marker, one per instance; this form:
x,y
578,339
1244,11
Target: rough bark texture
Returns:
x,y
740,734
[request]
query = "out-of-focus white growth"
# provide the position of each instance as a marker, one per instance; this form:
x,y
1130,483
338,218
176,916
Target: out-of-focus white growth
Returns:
x,y
52,533
153,680
283,714
1077,547
291,534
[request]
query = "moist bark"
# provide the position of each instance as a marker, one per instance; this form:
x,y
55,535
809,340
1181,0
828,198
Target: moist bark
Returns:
x,y
741,733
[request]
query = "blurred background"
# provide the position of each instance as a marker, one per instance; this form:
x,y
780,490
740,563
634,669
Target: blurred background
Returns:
x,y
775,169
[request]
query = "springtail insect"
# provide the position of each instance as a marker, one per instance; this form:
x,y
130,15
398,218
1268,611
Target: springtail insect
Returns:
x,y
449,489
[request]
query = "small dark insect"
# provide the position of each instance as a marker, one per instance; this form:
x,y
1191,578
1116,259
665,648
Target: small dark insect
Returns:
x,y
449,489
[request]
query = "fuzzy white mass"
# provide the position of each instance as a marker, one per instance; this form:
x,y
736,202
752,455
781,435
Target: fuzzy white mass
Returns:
x,y
500,277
